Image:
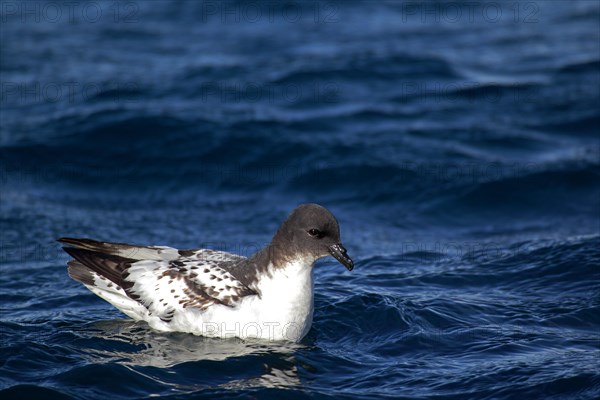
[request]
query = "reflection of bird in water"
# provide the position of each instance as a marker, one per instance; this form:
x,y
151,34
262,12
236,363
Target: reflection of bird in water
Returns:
x,y
285,374
134,345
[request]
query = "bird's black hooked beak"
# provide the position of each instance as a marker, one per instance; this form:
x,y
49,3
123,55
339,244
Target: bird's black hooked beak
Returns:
x,y
339,253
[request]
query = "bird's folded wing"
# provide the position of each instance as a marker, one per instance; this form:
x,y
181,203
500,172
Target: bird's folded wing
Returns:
x,y
125,250
137,252
163,286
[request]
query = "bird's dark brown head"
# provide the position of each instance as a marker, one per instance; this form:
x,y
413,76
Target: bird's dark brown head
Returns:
x,y
311,230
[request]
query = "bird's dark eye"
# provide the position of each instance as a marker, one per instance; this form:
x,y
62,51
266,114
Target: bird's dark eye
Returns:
x,y
315,232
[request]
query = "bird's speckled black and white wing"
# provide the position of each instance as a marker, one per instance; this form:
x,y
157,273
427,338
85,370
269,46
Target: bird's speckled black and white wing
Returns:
x,y
165,287
166,281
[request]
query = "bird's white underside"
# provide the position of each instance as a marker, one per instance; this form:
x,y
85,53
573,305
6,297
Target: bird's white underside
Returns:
x,y
283,311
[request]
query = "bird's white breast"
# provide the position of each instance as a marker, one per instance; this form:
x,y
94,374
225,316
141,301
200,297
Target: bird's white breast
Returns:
x,y
287,298
282,311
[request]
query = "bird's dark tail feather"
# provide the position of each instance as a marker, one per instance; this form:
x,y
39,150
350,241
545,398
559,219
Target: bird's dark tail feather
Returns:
x,y
80,273
107,265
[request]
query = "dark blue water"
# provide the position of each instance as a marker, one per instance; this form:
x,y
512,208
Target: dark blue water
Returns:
x,y
457,144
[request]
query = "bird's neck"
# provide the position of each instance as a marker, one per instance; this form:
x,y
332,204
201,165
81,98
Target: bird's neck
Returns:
x,y
276,260
263,263
268,254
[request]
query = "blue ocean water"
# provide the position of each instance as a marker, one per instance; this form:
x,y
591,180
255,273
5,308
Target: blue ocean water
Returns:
x,y
456,142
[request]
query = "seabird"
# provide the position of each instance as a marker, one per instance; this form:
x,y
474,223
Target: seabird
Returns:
x,y
214,293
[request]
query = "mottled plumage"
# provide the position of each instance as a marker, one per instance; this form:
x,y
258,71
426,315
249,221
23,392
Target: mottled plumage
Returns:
x,y
214,293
